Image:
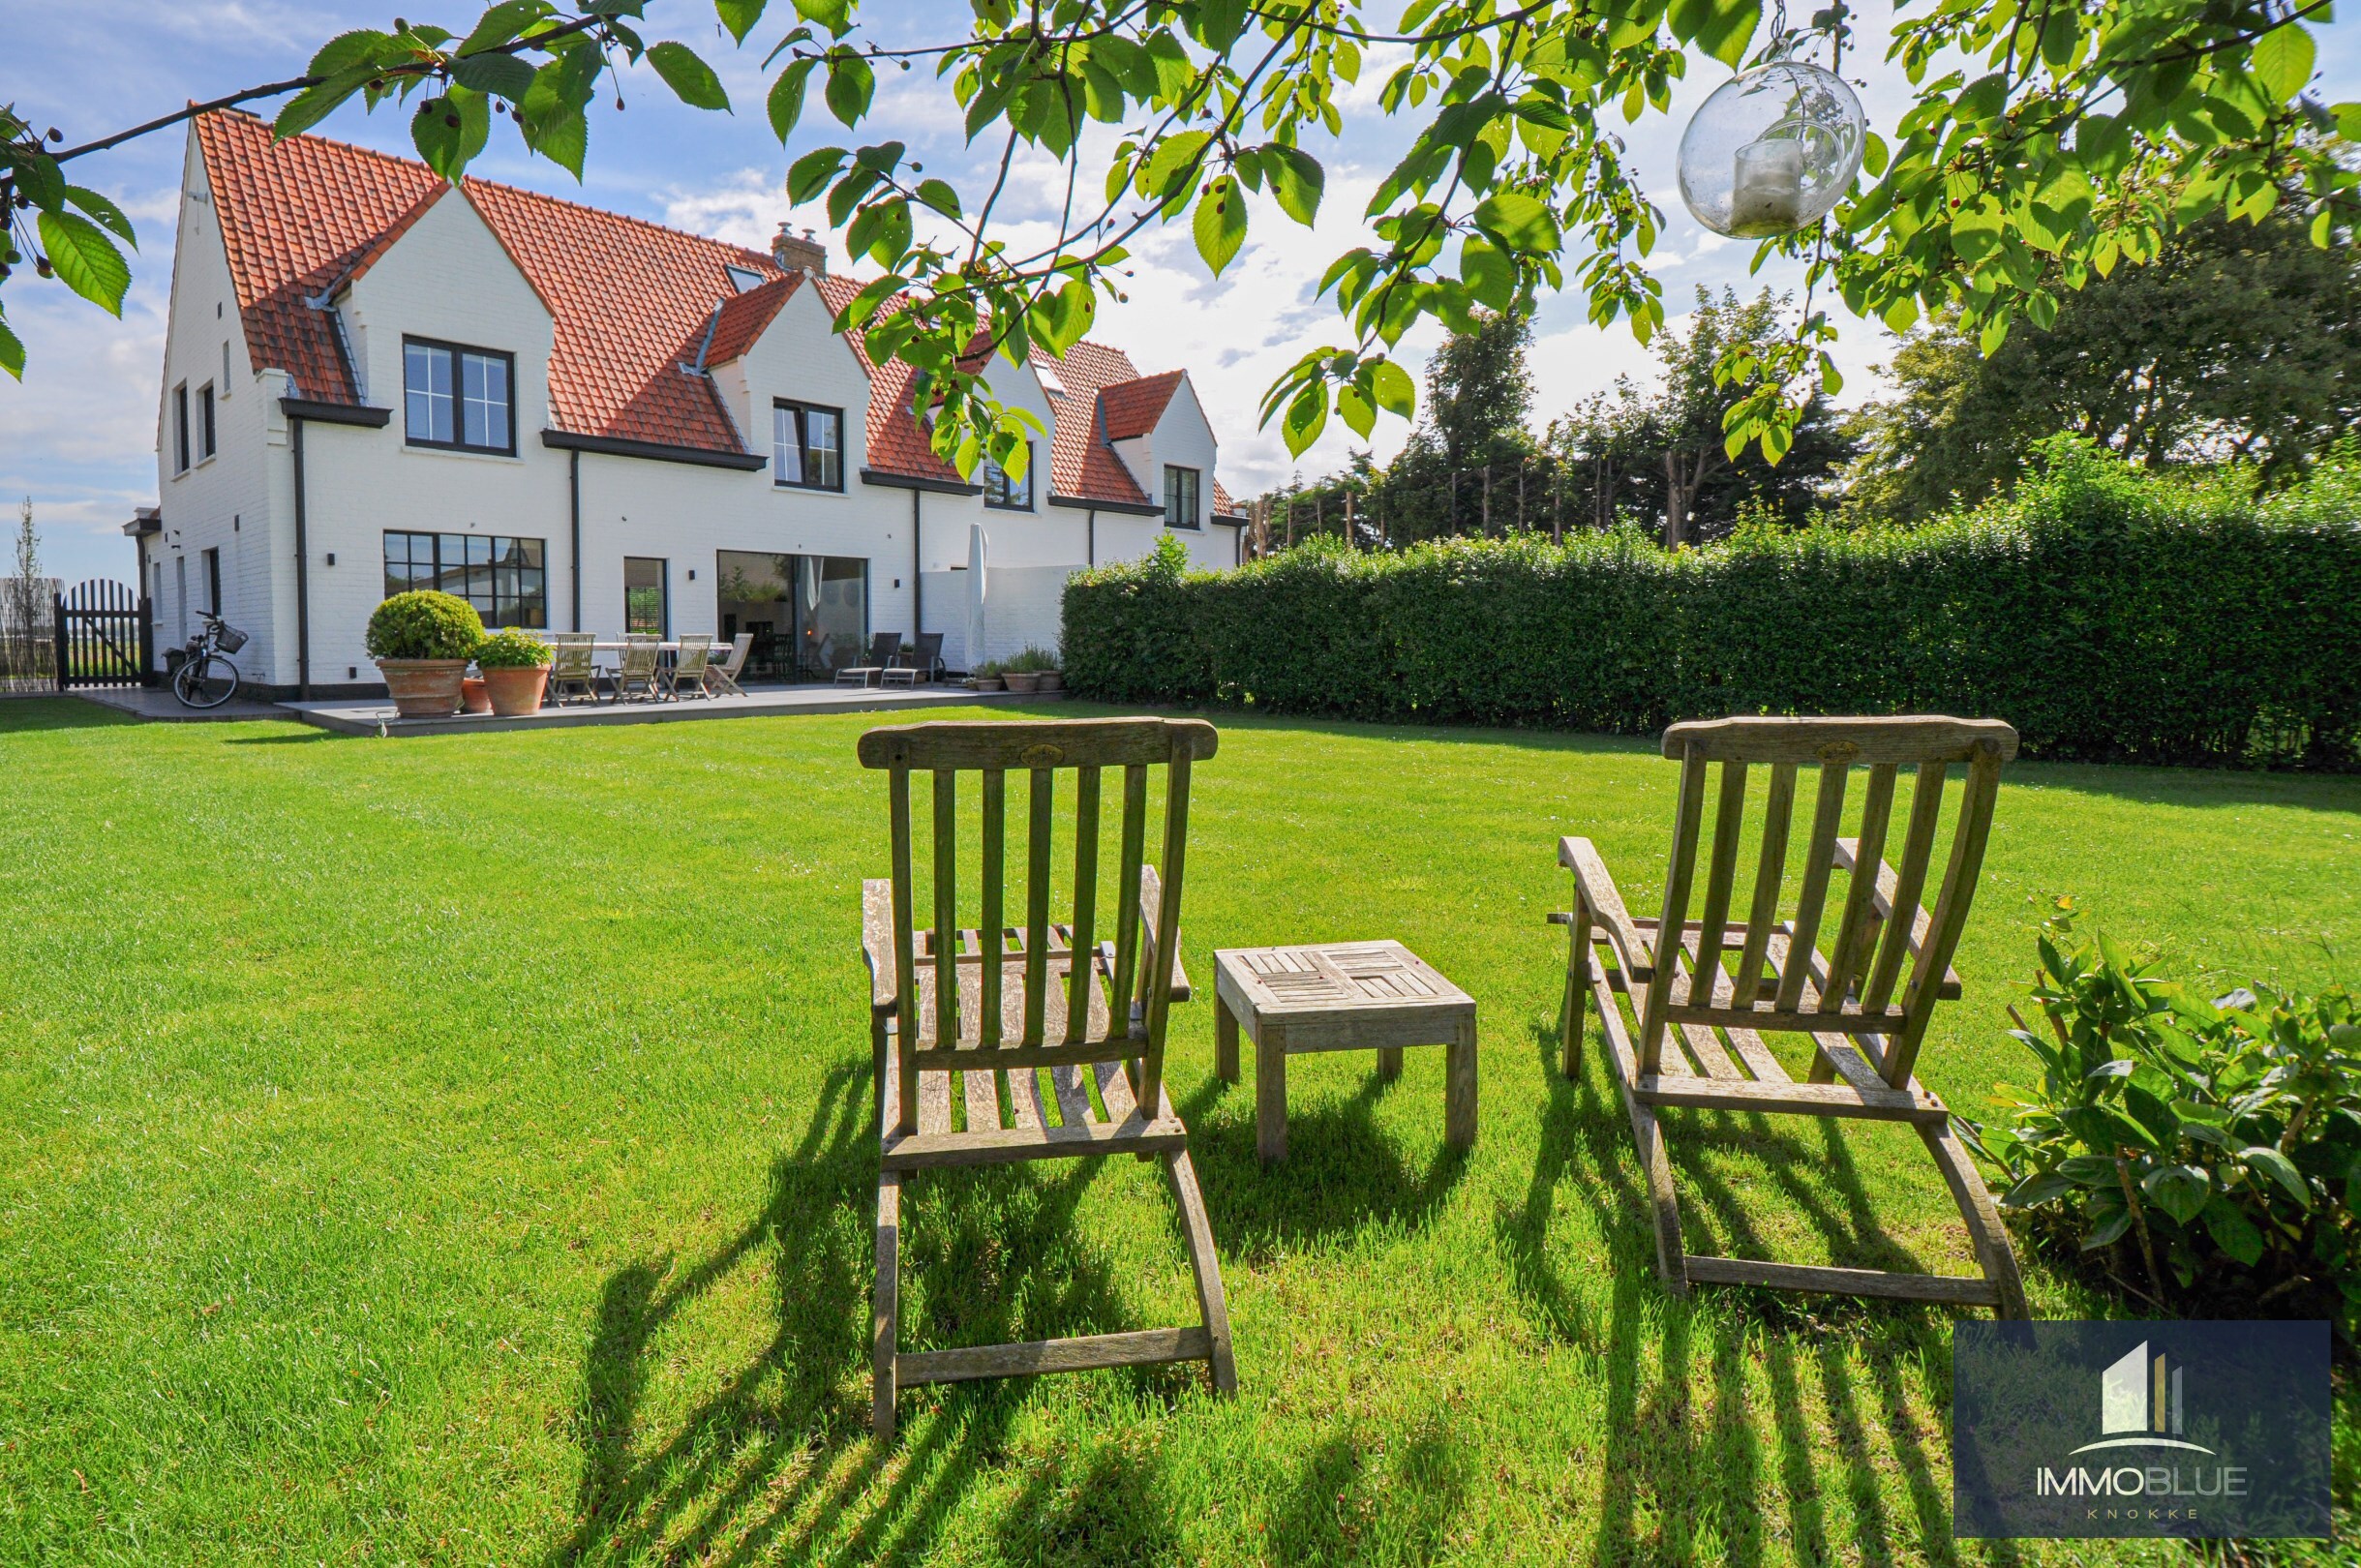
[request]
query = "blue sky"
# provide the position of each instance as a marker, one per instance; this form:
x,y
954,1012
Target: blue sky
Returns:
x,y
78,434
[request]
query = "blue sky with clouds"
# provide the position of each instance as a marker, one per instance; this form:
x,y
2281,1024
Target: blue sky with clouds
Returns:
x,y
78,434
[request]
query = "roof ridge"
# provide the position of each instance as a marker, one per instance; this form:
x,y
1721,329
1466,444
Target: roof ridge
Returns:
x,y
763,256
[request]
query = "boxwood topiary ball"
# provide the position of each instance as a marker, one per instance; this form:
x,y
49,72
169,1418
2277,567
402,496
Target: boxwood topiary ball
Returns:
x,y
424,625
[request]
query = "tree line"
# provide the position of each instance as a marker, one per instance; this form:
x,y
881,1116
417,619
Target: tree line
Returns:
x,y
2239,343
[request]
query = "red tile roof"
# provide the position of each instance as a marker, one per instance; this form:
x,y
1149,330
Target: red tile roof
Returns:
x,y
634,306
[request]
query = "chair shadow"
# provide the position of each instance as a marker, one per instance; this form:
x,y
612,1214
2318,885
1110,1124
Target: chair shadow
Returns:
x,y
1701,1446
1342,1172
779,1459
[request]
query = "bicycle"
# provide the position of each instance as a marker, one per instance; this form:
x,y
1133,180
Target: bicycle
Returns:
x,y
206,679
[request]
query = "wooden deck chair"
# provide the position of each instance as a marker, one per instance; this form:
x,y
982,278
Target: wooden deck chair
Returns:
x,y
572,674
986,1012
723,676
1699,1004
638,670
686,677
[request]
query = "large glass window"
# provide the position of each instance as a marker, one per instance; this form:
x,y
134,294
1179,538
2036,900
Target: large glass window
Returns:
x,y
1180,498
643,607
808,615
506,579
456,397
807,446
999,490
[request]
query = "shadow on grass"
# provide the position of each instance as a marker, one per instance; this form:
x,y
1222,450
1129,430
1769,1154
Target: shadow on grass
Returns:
x,y
778,1462
24,714
303,738
1767,1449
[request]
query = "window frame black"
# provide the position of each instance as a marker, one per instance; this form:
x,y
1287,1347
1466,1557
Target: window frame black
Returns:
x,y
800,407
1197,495
459,397
209,425
211,561
1024,505
663,564
495,540
180,428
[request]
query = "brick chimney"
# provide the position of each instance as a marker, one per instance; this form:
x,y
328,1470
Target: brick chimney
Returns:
x,y
793,254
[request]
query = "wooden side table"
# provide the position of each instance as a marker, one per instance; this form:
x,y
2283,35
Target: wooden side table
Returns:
x,y
1339,996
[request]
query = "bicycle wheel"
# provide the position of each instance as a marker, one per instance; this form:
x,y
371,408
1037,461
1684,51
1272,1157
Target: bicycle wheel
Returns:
x,y
207,682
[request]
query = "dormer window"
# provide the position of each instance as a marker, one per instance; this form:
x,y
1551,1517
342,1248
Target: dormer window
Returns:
x,y
1180,498
742,279
458,397
806,446
999,490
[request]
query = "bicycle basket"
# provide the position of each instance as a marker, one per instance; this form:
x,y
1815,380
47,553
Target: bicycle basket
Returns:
x,y
231,639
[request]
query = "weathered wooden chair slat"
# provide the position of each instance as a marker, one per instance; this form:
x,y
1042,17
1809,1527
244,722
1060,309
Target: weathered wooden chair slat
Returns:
x,y
998,1005
1684,1030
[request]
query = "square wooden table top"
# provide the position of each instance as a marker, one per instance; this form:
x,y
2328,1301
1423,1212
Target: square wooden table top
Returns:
x,y
1334,979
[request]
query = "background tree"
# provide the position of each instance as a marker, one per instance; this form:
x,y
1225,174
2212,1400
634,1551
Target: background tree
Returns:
x,y
25,607
2040,152
1462,467
1660,456
2240,341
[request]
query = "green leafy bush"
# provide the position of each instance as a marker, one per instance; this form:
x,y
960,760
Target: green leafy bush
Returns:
x,y
2106,612
512,649
424,624
1029,661
2210,1150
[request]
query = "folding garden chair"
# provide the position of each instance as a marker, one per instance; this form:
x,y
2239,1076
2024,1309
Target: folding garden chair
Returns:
x,y
572,674
965,1021
1699,1004
638,671
723,676
686,677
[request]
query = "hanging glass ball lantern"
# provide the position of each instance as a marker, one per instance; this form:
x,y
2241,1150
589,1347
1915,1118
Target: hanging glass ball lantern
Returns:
x,y
1773,150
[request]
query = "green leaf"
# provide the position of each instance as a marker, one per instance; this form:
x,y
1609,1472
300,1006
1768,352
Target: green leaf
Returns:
x,y
808,175
2180,1191
109,215
85,260
1391,386
1172,155
689,77
2110,1231
307,108
1729,29
786,100
502,74
1306,416
345,50
2280,1169
449,130
938,194
564,137
2283,61
1519,222
836,15
1296,182
1219,224
1356,410
2233,1232
1490,274
739,17
850,85
499,24
2348,121
2035,1191
11,352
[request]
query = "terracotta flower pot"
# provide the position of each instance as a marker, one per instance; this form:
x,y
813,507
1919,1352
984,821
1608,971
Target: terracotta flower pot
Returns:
x,y
424,688
517,693
984,682
1023,683
472,697
1053,681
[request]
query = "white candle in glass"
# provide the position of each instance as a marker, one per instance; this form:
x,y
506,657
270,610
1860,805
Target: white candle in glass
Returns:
x,y
1767,195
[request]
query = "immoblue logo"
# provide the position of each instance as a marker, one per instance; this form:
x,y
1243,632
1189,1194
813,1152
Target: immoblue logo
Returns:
x,y
2196,1430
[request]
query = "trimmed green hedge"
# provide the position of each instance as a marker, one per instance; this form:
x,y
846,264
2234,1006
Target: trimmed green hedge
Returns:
x,y
2106,614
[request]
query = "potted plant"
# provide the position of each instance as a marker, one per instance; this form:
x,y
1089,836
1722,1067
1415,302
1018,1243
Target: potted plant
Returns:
x,y
422,642
1033,670
985,676
515,671
474,697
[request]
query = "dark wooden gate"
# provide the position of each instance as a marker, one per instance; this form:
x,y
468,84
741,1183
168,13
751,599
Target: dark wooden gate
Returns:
x,y
105,636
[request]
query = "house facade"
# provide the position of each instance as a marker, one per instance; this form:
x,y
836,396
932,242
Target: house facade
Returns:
x,y
581,421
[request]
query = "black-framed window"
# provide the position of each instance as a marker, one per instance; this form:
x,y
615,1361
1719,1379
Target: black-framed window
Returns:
x,y
999,490
645,609
213,580
180,428
206,430
506,579
807,445
1180,498
458,397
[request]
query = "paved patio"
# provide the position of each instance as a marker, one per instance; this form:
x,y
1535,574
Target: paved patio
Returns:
x,y
158,703
374,716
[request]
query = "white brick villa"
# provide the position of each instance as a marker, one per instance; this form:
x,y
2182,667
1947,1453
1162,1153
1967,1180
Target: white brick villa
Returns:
x,y
373,380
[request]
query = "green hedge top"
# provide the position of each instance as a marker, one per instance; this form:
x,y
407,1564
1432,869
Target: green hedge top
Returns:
x,y
2106,614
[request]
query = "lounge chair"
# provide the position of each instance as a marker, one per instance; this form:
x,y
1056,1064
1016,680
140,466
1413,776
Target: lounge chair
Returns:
x,y
1700,1002
948,1002
572,672
924,664
686,677
638,671
722,678
883,648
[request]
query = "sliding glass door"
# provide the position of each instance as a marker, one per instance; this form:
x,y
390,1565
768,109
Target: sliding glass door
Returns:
x,y
808,614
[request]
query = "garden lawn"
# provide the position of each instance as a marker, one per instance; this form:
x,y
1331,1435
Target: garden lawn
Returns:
x,y
458,1150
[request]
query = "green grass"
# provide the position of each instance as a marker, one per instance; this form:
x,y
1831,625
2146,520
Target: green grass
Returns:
x,y
456,1150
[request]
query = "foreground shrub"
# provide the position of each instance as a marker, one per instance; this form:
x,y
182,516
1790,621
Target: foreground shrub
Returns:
x,y
424,624
2105,612
2209,1150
